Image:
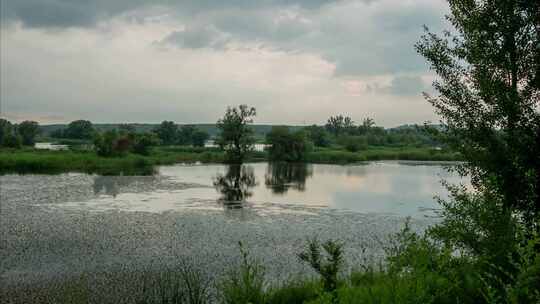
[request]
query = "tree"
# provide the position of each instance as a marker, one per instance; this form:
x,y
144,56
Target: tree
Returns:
x,y
5,129
199,138
339,124
79,129
143,143
8,135
286,146
488,95
104,143
318,136
28,130
167,132
367,125
236,136
185,135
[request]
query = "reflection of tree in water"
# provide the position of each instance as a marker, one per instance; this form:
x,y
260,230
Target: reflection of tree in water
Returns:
x,y
236,183
111,185
281,176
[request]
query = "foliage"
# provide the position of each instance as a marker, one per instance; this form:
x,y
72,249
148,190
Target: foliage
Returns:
x,y
236,137
245,284
294,292
318,136
489,95
327,264
143,143
286,146
353,143
9,137
185,134
180,285
28,131
79,129
110,143
199,138
339,124
167,132
127,129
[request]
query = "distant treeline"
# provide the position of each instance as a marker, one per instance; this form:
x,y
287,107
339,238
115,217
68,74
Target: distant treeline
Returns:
x,y
335,127
259,130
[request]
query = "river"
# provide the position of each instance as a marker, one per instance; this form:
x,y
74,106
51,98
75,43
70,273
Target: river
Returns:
x,y
55,226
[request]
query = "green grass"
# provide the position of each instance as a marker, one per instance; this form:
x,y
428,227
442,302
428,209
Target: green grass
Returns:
x,y
29,160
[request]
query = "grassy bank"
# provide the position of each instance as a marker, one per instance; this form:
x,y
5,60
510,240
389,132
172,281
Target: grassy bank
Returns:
x,y
44,161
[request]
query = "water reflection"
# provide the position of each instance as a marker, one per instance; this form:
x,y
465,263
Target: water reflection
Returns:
x,y
114,185
281,176
235,185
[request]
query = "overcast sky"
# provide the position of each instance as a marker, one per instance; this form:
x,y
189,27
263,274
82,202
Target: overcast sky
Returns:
x,y
296,61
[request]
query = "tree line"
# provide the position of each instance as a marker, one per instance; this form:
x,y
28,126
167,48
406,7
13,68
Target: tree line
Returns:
x,y
17,135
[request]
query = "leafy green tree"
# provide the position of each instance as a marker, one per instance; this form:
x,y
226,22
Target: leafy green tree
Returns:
x,y
286,146
185,135
167,132
104,143
489,95
79,129
339,124
5,129
236,136
318,136
143,143
8,135
366,126
28,130
199,138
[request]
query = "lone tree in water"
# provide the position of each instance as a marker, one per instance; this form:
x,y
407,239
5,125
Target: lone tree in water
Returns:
x,y
489,96
236,137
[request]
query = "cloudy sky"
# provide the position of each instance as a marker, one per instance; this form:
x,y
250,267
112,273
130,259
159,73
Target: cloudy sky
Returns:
x,y
296,61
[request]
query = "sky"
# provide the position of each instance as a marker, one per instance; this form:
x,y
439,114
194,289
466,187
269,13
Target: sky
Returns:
x,y
296,61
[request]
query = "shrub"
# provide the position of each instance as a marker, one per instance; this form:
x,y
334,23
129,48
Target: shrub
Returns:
x,y
143,143
326,265
245,284
353,143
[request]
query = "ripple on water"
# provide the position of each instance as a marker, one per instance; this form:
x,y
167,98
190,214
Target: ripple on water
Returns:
x,y
57,225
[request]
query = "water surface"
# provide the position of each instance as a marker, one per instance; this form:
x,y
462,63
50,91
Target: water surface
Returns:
x,y
56,226
395,188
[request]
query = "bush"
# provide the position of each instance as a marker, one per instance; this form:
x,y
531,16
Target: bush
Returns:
x,y
326,265
353,143
244,285
143,143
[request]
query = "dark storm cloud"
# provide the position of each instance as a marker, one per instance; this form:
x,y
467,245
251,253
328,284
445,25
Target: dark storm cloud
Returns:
x,y
75,13
364,37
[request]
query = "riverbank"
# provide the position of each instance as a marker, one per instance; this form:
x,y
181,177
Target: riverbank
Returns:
x,y
27,161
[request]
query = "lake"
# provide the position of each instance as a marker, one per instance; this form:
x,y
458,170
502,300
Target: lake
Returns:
x,y
55,226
